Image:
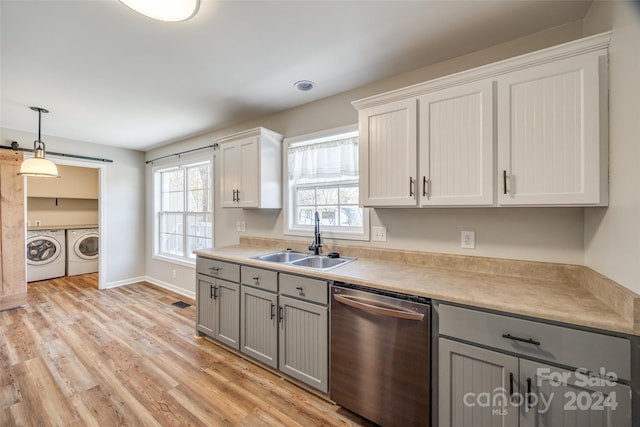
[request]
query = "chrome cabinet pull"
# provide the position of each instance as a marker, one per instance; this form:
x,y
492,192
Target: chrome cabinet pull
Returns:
x,y
525,340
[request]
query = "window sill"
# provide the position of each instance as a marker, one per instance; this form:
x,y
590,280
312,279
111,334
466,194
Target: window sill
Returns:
x,y
328,235
182,262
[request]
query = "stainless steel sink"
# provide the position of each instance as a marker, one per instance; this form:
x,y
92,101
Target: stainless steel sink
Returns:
x,y
320,262
282,256
302,259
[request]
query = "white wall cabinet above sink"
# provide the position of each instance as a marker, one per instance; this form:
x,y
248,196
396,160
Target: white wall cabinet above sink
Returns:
x,y
251,169
530,130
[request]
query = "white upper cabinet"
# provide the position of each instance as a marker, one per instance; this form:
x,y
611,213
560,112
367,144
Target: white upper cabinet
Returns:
x,y
542,115
388,154
456,146
549,134
251,169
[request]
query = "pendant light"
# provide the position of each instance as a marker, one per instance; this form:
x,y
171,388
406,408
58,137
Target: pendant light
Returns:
x,y
165,10
38,165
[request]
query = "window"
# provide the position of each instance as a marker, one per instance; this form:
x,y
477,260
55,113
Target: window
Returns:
x,y
322,176
184,206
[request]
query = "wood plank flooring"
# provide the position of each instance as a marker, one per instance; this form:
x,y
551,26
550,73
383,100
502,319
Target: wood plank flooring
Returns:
x,y
79,356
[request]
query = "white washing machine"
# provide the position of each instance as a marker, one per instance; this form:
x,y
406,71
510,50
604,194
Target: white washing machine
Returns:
x,y
82,251
45,254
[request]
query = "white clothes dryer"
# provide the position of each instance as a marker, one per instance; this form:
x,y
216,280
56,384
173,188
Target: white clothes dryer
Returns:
x,y
82,251
45,254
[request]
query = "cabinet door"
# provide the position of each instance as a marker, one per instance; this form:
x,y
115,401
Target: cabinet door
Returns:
x,y
456,146
258,325
557,397
230,160
205,306
388,154
227,298
475,386
549,134
249,171
304,349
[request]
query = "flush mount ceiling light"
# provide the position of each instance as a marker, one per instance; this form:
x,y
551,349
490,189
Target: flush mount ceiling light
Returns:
x,y
304,85
38,165
164,10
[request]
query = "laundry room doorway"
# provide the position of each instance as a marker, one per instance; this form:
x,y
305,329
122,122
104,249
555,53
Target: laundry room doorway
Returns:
x,y
68,210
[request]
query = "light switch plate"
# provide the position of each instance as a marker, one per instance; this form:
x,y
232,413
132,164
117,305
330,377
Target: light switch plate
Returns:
x,y
379,234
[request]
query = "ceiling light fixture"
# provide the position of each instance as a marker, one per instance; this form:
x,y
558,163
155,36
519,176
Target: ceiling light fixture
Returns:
x,y
38,165
304,85
165,10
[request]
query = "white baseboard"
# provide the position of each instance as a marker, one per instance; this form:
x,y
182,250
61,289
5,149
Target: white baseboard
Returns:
x,y
170,287
124,282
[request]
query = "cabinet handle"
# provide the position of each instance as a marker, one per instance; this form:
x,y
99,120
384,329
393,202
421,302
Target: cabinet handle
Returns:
x,y
273,311
280,314
425,182
215,270
529,403
215,292
527,340
210,291
504,182
300,288
411,183
511,386
257,280
234,196
238,196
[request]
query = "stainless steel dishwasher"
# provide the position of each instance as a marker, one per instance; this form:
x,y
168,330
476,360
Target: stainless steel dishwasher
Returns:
x,y
380,355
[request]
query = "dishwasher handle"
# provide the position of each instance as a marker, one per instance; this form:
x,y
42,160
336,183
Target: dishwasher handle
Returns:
x,y
370,306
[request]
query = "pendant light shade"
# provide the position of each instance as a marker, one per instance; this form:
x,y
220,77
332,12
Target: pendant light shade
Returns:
x,y
38,165
165,10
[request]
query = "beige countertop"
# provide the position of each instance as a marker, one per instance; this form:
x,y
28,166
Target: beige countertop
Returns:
x,y
564,293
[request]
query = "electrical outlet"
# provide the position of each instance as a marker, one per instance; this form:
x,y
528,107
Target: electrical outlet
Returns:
x,y
379,234
38,223
243,226
238,226
468,239
174,273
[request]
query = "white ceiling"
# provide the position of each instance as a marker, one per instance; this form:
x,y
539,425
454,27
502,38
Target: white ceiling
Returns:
x,y
111,76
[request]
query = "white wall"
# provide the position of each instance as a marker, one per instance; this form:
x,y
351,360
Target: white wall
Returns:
x,y
122,226
541,234
612,235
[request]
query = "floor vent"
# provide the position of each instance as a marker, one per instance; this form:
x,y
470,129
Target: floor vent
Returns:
x,y
181,304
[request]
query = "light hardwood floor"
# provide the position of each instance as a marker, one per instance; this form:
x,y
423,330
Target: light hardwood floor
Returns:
x,y
76,356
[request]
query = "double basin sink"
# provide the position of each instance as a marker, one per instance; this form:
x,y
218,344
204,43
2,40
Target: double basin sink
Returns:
x,y
301,259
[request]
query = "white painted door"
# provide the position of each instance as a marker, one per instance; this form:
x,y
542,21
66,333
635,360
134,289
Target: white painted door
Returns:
x,y
549,134
230,160
249,164
456,146
388,154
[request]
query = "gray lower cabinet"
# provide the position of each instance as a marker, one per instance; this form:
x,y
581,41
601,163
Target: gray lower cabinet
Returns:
x,y
259,325
304,330
218,310
498,376
468,376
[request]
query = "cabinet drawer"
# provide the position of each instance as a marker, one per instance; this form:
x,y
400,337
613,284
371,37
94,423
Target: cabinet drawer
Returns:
x,y
304,288
259,278
558,344
219,269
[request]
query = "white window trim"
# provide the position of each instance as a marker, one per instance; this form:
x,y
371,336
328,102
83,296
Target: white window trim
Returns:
x,y
176,163
326,234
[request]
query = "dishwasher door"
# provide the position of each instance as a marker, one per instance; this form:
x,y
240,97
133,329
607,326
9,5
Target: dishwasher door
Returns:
x,y
380,356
